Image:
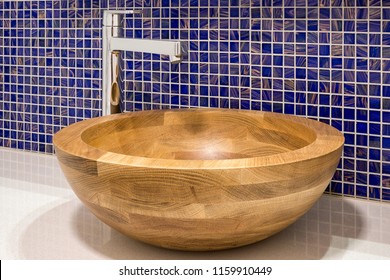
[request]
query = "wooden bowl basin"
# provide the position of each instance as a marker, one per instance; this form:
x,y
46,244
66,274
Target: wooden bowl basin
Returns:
x,y
199,179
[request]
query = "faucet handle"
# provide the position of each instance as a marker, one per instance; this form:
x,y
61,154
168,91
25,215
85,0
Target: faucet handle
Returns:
x,y
115,17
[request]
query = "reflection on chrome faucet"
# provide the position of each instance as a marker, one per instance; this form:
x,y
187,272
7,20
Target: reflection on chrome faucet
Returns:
x,y
113,43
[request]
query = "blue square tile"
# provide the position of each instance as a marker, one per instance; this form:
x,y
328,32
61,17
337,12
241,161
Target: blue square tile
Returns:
x,y
278,60
266,48
349,38
324,13
361,77
361,64
300,37
267,72
386,143
361,191
337,62
300,73
375,77
277,48
324,50
375,51
374,26
289,13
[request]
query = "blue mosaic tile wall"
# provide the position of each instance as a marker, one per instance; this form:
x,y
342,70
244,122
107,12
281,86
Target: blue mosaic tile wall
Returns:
x,y
324,59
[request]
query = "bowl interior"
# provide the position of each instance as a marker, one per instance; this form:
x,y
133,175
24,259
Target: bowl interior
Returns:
x,y
198,135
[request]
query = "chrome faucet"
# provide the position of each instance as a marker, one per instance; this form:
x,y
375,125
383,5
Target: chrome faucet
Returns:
x,y
114,43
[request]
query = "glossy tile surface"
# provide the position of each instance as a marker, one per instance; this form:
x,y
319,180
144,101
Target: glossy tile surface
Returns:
x,y
43,219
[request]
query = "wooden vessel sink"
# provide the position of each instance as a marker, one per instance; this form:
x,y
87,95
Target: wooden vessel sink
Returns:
x,y
199,179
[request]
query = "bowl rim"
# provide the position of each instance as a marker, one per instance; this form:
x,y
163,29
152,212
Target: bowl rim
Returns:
x,y
69,140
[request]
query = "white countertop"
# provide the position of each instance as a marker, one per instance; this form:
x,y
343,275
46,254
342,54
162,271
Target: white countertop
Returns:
x,y
43,219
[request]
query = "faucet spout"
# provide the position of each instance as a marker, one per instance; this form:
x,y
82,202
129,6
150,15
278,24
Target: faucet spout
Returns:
x,y
113,43
163,47
174,59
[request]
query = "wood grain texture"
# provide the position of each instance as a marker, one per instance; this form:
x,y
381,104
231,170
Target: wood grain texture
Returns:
x,y
199,179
